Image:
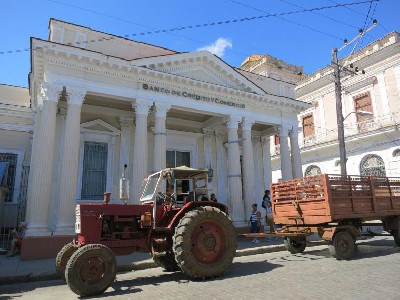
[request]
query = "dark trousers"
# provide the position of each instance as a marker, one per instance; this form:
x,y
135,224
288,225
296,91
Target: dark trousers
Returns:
x,y
254,227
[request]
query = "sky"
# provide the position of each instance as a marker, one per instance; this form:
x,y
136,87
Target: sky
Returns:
x,y
227,28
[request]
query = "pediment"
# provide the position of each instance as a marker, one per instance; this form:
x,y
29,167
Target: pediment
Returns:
x,y
202,66
99,126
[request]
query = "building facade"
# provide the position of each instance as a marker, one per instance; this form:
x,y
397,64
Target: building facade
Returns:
x,y
16,128
99,101
371,111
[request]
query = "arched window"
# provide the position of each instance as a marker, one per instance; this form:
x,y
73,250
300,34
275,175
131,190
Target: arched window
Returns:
x,y
372,165
312,170
396,153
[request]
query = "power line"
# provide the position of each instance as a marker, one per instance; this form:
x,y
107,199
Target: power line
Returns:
x,y
289,21
322,15
361,14
217,23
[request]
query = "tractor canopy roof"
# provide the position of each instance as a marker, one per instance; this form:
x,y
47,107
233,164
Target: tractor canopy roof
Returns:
x,y
184,172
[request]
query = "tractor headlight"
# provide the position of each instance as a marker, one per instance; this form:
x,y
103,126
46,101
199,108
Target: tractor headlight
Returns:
x,y
78,219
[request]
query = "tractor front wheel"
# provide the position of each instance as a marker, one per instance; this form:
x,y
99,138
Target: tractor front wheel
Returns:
x,y
204,243
91,270
62,259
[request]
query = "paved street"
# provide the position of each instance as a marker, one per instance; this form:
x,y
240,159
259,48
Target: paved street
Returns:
x,y
372,274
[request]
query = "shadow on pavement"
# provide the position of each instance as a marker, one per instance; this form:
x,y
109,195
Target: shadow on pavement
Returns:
x,y
26,287
238,269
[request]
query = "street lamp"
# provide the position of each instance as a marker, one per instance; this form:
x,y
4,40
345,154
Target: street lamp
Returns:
x,y
342,147
359,112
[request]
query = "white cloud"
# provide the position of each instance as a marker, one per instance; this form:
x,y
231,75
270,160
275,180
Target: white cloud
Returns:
x,y
218,47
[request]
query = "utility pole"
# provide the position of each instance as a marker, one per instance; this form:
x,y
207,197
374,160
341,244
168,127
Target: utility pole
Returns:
x,y
338,96
339,113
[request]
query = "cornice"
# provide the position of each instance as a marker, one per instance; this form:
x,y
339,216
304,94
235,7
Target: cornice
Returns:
x,y
15,111
84,60
16,127
369,62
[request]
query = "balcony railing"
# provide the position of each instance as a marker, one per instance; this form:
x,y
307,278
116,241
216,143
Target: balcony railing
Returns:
x,y
372,124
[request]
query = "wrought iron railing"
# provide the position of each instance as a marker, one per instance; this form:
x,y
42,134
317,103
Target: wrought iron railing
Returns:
x,y
372,124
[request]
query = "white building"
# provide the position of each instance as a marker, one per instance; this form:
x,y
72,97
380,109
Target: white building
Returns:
x,y
372,140
101,101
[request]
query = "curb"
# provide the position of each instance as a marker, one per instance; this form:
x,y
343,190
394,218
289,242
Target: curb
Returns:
x,y
146,264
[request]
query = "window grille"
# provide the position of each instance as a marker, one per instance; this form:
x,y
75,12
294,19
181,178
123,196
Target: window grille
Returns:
x,y
312,170
372,165
94,177
11,158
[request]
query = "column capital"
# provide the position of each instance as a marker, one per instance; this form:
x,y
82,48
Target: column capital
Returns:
x,y
208,132
161,109
232,122
219,134
255,139
265,140
141,106
75,95
247,123
126,123
283,130
50,91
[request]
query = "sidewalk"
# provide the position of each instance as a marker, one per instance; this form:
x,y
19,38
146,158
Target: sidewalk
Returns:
x,y
13,270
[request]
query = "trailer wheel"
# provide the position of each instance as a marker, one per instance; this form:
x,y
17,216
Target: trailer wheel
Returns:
x,y
342,247
396,236
167,261
91,270
62,259
295,245
204,243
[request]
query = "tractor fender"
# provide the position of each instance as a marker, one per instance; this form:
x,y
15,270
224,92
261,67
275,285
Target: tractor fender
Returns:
x,y
192,205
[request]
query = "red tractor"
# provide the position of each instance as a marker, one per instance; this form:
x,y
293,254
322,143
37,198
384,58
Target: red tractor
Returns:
x,y
180,231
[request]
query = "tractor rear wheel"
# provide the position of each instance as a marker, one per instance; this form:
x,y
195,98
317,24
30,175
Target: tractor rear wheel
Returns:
x,y
295,245
91,270
167,261
62,259
204,243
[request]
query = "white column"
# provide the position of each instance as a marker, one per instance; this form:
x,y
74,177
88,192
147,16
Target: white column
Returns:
x,y
248,167
35,146
234,172
56,186
258,168
125,143
221,169
160,136
208,133
69,163
295,153
41,179
266,159
383,92
286,163
140,155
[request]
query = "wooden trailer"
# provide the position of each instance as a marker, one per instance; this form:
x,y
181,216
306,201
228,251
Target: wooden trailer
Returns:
x,y
336,207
